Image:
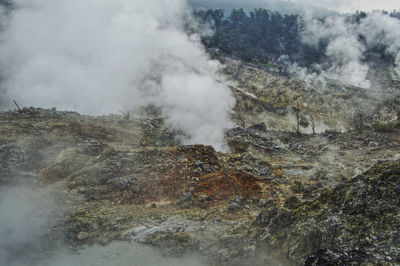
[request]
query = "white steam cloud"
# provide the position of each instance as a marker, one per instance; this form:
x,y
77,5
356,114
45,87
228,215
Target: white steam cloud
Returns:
x,y
25,223
382,30
345,50
98,57
31,235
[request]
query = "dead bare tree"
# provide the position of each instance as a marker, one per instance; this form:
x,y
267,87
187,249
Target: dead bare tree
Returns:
x,y
312,122
19,109
297,113
359,118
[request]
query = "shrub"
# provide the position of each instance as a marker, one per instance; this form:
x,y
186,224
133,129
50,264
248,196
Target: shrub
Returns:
x,y
386,127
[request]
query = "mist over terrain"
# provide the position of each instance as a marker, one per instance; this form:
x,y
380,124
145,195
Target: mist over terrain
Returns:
x,y
299,6
281,5
290,101
348,42
27,236
104,57
25,224
100,58
315,47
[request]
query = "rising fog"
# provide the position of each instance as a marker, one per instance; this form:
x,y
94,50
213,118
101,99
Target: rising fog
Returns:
x,y
281,5
346,51
27,217
29,236
99,57
300,6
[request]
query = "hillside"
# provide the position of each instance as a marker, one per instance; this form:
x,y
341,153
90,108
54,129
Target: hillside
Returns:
x,y
114,178
197,137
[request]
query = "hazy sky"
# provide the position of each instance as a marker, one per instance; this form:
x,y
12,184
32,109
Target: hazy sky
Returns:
x,y
353,5
338,5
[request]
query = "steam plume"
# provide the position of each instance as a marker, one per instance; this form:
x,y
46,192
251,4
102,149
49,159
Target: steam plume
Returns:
x,y
344,51
100,57
25,223
382,31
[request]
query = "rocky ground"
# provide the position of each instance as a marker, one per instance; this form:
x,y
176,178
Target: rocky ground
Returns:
x,y
265,94
276,198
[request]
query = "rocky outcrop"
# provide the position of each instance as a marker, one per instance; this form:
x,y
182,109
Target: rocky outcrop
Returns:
x,y
356,223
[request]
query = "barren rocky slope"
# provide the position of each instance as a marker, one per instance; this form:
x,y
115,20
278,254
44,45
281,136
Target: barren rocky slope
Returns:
x,y
126,179
276,198
267,93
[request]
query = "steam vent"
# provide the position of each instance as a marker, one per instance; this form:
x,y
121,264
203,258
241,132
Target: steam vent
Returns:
x,y
207,133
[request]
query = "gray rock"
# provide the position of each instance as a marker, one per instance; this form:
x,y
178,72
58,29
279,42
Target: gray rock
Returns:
x,y
234,206
186,197
203,201
265,203
186,200
238,199
373,144
81,236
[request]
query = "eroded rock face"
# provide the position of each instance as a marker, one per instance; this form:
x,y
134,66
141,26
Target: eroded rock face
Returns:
x,y
354,223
